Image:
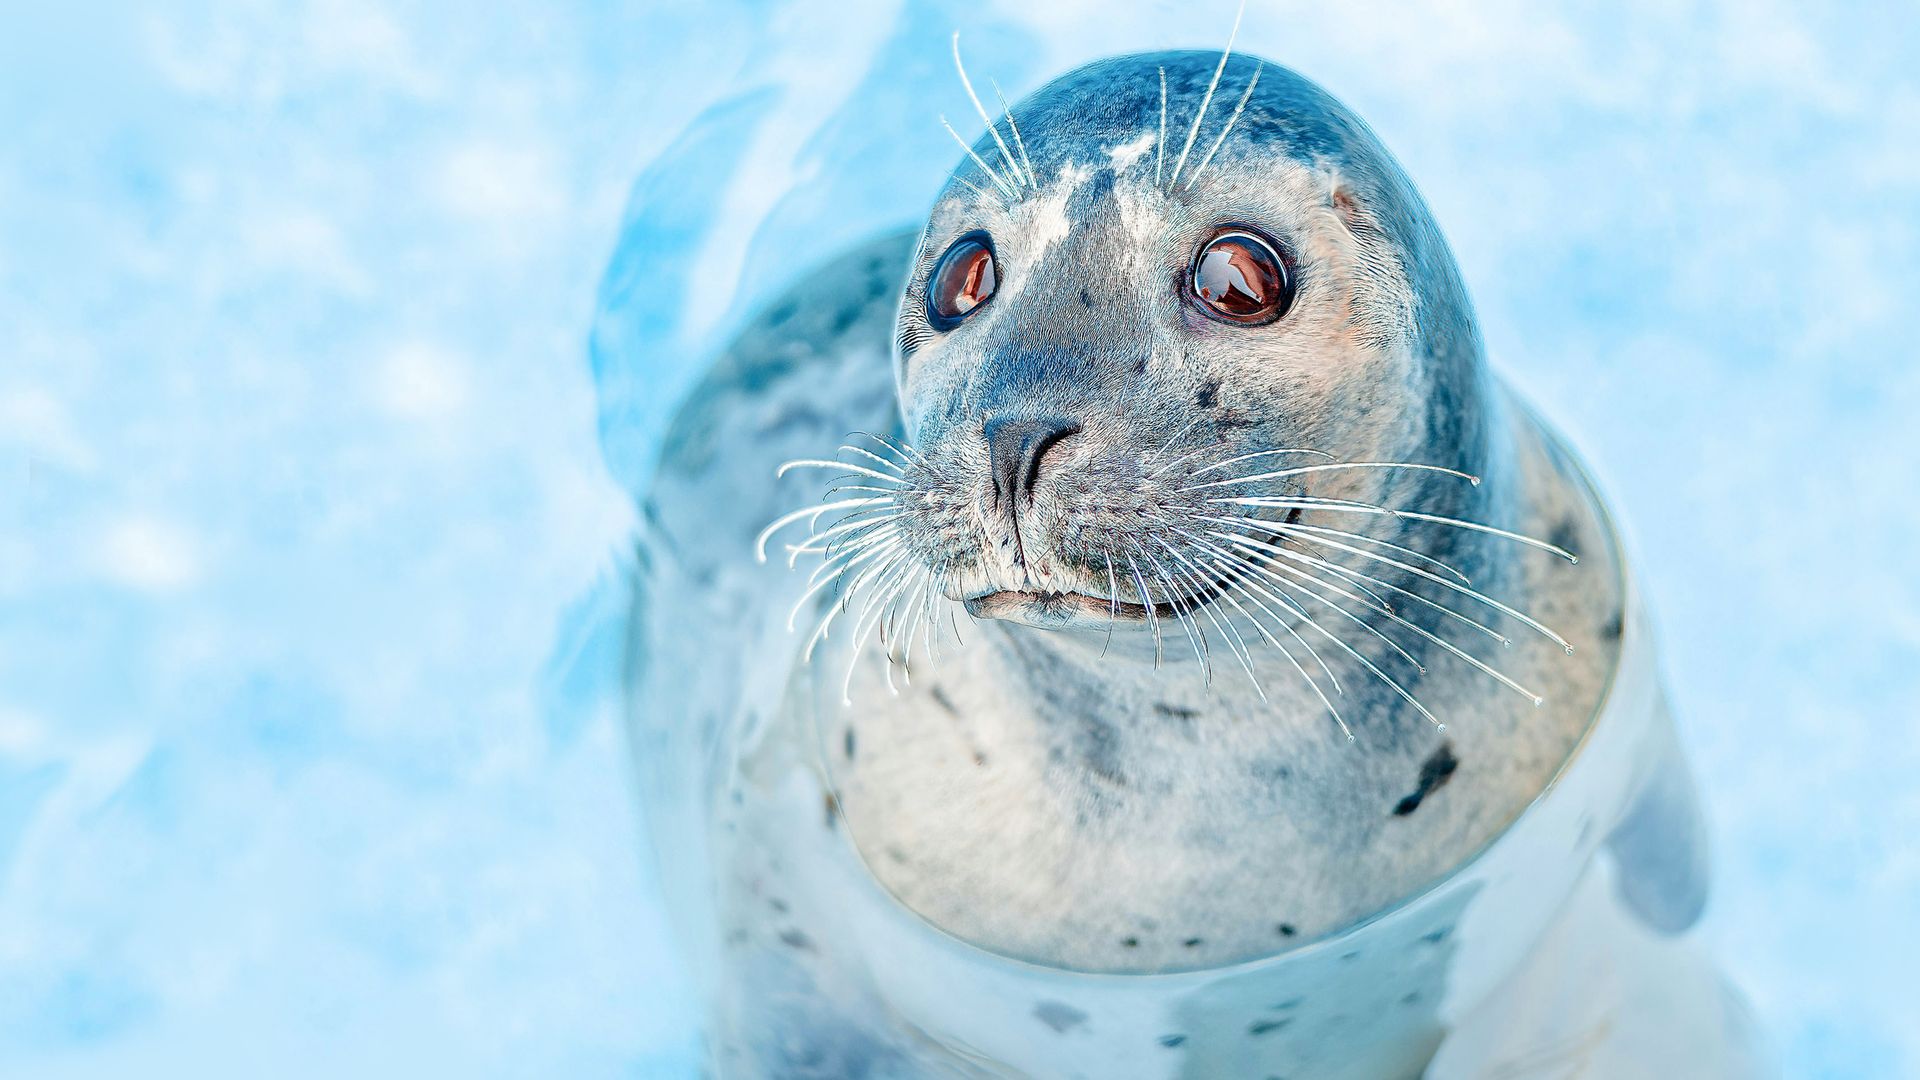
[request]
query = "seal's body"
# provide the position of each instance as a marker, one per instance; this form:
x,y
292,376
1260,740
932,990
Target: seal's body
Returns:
x,y
1202,596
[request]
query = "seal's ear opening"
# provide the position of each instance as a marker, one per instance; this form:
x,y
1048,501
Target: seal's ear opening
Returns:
x,y
1347,205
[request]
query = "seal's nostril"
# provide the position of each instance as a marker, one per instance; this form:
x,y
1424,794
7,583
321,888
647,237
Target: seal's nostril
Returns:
x,y
1015,447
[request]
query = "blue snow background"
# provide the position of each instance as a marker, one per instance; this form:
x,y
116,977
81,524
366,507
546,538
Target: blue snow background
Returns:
x,y
316,426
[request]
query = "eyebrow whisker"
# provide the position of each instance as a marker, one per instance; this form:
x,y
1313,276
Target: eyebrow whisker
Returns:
x,y
993,129
1207,99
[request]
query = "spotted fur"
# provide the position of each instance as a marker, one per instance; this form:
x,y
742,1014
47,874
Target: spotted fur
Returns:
x,y
1069,790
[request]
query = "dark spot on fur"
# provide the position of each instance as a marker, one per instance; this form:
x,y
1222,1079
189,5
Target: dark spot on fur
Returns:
x,y
777,904
1290,1003
941,699
1130,942
1412,998
1566,535
779,316
1193,942
1437,936
1350,957
1261,1027
1613,627
849,743
1059,1016
897,855
1270,772
1286,929
1433,776
794,939
1086,299
1171,1041
1140,366
1209,393
979,758
844,319
1098,747
832,808
1175,712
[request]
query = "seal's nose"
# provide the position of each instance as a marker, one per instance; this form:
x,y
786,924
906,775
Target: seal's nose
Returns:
x,y
1015,446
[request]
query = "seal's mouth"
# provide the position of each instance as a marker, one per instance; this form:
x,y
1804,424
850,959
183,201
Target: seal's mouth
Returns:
x,y
1057,610
1063,609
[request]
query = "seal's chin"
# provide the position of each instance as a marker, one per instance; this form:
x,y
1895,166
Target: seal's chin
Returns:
x,y
1064,611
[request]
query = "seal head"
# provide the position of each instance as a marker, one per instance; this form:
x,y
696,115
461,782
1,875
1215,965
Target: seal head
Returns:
x,y
1179,273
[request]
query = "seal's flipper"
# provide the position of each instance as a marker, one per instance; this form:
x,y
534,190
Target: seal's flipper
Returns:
x,y
1661,844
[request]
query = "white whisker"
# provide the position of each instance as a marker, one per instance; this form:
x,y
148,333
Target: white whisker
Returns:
x,y
820,463
992,128
1372,601
1160,144
931,622
890,493
1207,99
1455,586
1349,574
1295,608
905,450
848,548
834,542
814,512
973,187
1415,627
1235,643
1113,604
1005,188
1018,143
1302,470
1146,601
833,610
1518,538
1311,586
1332,710
1295,527
876,459
1256,454
1195,636
1231,120
878,602
814,588
1368,664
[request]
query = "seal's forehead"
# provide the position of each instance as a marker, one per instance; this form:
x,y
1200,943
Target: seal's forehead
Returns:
x,y
1117,101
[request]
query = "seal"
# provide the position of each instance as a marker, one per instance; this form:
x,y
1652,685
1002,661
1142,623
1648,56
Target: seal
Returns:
x,y
1197,595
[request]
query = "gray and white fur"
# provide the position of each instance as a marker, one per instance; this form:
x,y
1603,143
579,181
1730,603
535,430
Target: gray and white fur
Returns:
x,y
1184,643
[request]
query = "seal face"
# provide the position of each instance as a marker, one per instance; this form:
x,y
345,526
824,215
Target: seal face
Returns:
x,y
1271,612
1266,290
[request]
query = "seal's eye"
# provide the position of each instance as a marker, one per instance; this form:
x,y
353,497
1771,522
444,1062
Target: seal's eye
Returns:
x,y
1239,278
964,280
